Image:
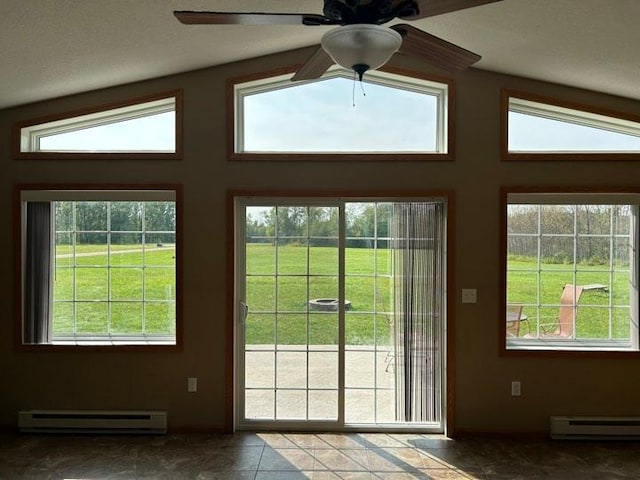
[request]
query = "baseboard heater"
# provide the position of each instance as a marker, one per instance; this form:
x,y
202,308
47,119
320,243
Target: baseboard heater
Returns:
x,y
92,421
595,428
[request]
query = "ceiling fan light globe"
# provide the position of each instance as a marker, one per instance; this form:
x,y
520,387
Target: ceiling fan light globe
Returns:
x,y
361,44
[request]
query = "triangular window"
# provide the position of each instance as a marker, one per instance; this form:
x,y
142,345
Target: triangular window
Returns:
x,y
545,128
139,127
385,114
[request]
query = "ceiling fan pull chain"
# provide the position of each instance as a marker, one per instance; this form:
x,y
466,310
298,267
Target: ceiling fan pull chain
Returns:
x,y
353,90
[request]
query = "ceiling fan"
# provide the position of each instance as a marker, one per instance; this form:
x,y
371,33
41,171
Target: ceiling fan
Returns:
x,y
360,42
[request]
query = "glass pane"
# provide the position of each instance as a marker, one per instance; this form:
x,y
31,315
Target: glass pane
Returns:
x,y
292,329
64,216
91,249
359,368
160,217
160,318
323,405
63,318
292,256
149,133
323,370
260,369
63,283
280,120
359,406
261,293
91,283
159,284
291,405
323,260
543,134
90,217
323,329
359,329
260,329
259,404
126,216
557,219
126,318
91,318
292,294
261,258
360,291
291,369
126,249
126,283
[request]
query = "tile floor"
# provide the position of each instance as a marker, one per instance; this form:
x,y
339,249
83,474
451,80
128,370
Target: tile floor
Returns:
x,y
315,456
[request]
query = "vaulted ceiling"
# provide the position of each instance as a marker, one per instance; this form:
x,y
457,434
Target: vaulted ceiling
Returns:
x,y
50,48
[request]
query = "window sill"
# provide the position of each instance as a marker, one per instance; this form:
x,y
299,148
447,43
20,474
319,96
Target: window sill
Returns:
x,y
106,344
570,347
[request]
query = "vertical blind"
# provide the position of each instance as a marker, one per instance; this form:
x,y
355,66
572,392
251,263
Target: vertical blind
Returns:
x,y
417,231
37,288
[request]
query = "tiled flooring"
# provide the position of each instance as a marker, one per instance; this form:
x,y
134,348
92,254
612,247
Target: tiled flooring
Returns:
x,y
316,456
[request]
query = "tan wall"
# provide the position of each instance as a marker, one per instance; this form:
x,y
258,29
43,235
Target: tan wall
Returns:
x,y
158,381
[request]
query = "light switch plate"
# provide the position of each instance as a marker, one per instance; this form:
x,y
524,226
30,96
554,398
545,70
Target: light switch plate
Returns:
x,y
469,295
192,384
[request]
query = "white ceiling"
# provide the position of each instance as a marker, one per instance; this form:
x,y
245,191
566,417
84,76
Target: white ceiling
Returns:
x,y
50,48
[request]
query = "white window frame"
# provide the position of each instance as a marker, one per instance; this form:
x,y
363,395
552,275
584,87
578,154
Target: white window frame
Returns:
x,y
28,134
578,345
107,195
387,77
572,113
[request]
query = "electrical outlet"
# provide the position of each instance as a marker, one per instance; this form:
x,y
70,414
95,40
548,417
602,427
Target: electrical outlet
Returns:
x,y
469,295
192,384
516,389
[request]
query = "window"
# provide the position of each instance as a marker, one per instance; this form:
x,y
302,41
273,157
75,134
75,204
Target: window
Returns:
x,y
143,127
387,116
543,128
99,267
571,271
341,312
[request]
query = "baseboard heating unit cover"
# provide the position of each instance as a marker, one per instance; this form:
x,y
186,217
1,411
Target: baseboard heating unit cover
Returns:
x,y
596,428
92,421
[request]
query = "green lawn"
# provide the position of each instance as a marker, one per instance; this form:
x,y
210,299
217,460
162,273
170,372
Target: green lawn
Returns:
x,y
592,320
109,300
277,281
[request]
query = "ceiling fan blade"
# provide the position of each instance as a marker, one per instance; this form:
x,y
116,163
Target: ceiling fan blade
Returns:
x,y
431,8
434,50
314,67
235,18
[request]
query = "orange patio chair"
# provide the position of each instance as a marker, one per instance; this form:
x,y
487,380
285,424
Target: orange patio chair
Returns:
x,y
564,328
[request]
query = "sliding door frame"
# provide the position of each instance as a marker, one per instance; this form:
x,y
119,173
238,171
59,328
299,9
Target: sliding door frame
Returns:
x,y
231,296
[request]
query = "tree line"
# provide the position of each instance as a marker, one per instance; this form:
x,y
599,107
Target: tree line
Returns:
x,y
318,226
125,221
554,232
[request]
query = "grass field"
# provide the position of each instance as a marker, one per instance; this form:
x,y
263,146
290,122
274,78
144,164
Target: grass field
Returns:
x,y
283,280
110,300
277,281
593,318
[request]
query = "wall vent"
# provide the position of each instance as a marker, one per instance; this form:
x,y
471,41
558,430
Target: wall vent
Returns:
x,y
92,421
595,428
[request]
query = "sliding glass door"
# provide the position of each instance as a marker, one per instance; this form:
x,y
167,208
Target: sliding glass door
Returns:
x,y
340,313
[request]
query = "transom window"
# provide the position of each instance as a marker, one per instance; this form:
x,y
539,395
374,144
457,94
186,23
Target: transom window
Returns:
x,y
571,270
539,128
99,267
149,126
387,113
